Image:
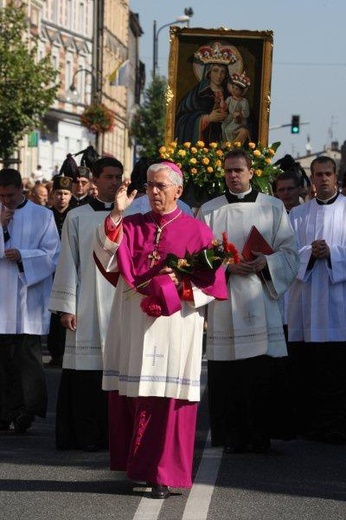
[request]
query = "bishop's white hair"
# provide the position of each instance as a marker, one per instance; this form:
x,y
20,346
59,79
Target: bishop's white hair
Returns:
x,y
173,176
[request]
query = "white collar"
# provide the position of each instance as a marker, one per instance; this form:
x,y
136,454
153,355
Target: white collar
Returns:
x,y
241,195
325,201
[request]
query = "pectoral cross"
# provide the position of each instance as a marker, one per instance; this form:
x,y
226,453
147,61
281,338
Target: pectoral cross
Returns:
x,y
154,257
158,235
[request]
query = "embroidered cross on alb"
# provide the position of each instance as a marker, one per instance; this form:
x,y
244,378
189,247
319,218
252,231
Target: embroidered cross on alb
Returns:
x,y
249,317
155,355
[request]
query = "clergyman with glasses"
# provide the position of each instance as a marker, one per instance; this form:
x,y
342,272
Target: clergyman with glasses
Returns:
x,y
152,358
288,189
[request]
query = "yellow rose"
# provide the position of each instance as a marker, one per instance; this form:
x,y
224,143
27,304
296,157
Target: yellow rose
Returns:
x,y
205,160
218,163
193,150
258,173
219,153
228,144
200,144
268,161
182,153
187,145
210,169
173,144
162,149
193,160
193,171
271,151
252,146
256,153
213,145
237,144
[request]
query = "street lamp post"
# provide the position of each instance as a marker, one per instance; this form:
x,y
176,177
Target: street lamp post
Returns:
x,y
72,93
185,18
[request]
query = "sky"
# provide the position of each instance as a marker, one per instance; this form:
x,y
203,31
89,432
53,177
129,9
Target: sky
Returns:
x,y
309,58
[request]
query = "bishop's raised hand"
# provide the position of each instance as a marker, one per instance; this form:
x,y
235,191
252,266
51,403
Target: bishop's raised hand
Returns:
x,y
122,200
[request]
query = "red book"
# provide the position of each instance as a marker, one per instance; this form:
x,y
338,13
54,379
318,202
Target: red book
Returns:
x,y
255,242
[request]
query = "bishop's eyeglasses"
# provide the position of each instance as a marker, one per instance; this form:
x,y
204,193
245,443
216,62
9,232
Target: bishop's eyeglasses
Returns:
x,y
161,186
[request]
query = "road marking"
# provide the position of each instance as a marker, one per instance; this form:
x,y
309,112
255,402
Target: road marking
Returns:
x,y
197,505
148,509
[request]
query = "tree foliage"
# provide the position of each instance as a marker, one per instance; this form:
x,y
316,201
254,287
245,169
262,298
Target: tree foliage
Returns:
x,y
27,83
148,125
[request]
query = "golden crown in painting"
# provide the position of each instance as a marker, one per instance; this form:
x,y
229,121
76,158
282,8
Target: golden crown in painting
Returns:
x,y
216,52
241,79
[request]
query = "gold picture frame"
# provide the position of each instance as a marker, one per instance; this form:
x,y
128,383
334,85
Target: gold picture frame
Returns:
x,y
194,51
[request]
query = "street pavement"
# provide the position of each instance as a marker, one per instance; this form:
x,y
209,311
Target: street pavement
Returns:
x,y
296,480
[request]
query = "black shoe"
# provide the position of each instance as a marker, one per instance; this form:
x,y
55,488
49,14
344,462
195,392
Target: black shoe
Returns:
x,y
55,362
22,423
90,448
4,426
335,436
314,435
262,446
160,492
230,449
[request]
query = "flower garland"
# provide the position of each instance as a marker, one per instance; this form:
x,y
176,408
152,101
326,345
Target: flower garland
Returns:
x,y
98,118
203,165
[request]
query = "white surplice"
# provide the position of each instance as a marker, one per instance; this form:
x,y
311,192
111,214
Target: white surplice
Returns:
x,y
79,288
317,298
24,295
249,323
146,356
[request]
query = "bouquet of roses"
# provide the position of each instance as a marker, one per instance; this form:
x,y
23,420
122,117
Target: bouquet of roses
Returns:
x,y
220,252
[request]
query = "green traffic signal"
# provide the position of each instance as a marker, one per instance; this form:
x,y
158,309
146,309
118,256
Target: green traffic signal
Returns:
x,y
295,124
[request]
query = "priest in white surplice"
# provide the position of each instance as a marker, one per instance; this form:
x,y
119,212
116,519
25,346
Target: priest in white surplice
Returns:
x,y
29,249
83,298
317,308
245,333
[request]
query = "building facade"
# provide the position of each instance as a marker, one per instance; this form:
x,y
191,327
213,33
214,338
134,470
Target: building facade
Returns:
x,y
89,41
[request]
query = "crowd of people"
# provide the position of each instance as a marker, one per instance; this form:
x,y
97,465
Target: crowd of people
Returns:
x,y
106,268
42,192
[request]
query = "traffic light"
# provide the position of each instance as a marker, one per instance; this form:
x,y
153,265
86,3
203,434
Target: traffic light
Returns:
x,y
295,124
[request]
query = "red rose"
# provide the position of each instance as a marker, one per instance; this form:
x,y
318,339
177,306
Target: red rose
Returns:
x,y
151,306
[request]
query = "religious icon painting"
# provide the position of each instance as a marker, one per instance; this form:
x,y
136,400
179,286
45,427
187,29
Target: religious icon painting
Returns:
x,y
219,85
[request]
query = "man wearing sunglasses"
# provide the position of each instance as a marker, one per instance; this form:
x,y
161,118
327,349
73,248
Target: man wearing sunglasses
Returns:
x,y
80,187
